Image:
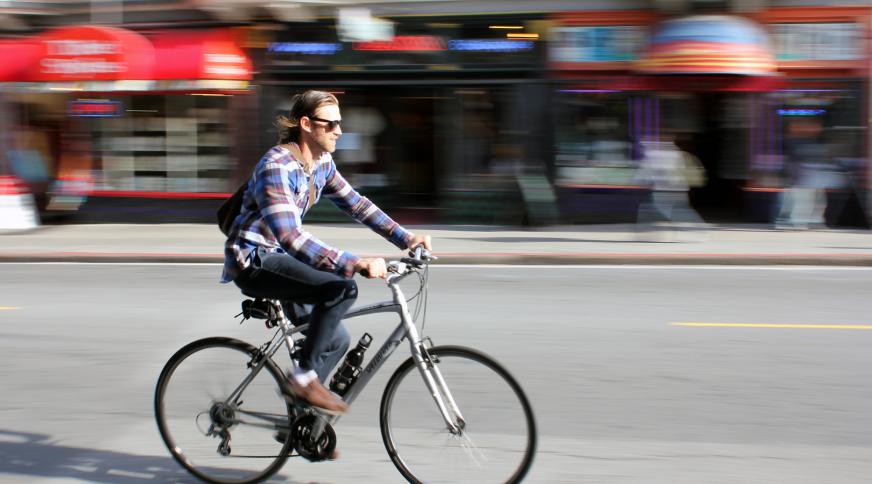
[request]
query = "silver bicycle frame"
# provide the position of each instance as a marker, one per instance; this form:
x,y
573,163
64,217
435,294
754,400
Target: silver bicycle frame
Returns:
x,y
406,329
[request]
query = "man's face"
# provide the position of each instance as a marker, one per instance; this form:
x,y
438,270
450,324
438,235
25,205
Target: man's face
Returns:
x,y
325,137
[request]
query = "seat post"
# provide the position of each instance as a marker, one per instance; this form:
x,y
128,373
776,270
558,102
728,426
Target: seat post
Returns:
x,y
285,325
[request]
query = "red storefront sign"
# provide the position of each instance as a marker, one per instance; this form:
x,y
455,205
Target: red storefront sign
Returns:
x,y
89,53
404,43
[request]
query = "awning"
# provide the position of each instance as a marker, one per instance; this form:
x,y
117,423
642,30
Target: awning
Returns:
x,y
210,54
706,83
108,59
677,83
17,57
92,53
708,44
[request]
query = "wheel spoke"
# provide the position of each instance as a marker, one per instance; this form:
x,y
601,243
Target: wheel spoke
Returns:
x,y
471,449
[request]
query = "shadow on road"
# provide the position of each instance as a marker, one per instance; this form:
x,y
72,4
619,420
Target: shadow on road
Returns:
x,y
36,455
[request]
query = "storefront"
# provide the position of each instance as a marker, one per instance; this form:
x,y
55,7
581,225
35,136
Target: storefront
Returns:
x,y
823,55
726,88
707,71
599,113
126,115
688,79
438,118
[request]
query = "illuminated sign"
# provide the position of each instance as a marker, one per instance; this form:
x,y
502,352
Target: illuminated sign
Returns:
x,y
801,112
404,43
95,108
490,45
308,48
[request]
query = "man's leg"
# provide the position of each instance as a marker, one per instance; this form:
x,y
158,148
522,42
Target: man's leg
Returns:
x,y
325,324
280,276
336,348
333,353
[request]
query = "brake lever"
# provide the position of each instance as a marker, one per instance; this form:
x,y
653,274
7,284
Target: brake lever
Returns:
x,y
421,254
397,267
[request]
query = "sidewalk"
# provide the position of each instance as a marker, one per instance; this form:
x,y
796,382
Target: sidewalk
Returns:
x,y
577,244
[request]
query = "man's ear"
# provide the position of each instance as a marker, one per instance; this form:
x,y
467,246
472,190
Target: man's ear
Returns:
x,y
306,124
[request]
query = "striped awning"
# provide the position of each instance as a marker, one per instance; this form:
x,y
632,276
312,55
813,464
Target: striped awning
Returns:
x,y
708,44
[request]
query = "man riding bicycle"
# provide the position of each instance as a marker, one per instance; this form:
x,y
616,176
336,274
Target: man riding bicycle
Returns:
x,y
269,255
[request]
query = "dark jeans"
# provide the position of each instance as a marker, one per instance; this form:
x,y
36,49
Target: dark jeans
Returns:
x,y
300,286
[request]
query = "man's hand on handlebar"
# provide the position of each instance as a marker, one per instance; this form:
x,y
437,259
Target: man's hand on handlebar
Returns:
x,y
421,240
372,268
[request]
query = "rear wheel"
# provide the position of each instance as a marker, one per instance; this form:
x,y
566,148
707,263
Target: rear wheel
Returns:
x,y
497,437
214,438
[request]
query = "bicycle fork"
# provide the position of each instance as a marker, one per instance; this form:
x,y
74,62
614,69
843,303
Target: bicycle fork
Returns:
x,y
426,364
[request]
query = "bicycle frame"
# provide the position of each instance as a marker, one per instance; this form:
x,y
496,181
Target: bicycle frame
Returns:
x,y
406,329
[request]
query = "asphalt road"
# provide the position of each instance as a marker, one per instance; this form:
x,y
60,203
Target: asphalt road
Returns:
x,y
623,390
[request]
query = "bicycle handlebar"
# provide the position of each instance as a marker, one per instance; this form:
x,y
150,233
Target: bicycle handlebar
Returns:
x,y
418,257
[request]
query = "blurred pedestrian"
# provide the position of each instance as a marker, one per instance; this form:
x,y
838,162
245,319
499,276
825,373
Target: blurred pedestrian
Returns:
x,y
670,173
809,171
269,254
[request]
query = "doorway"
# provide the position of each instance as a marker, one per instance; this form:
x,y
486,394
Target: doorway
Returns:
x,y
713,126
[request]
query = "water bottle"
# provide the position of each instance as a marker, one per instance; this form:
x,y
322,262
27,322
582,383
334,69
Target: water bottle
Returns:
x,y
348,372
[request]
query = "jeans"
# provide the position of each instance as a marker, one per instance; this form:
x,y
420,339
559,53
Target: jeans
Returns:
x,y
801,206
300,286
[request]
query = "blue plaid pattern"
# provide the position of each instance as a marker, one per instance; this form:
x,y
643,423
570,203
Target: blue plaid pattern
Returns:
x,y
275,203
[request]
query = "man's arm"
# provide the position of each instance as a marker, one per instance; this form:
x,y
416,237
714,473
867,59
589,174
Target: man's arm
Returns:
x,y
276,202
360,208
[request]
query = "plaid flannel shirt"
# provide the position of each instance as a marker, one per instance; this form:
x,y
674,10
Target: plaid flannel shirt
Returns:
x,y
275,203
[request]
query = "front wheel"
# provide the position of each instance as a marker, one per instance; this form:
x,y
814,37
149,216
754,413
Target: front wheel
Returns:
x,y
496,437
222,419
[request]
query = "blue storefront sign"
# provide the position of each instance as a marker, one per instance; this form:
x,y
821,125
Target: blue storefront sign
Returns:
x,y
612,43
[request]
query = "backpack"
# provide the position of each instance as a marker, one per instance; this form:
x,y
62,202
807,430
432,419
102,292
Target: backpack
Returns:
x,y
230,209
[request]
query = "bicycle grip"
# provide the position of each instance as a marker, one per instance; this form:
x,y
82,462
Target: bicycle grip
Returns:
x,y
365,273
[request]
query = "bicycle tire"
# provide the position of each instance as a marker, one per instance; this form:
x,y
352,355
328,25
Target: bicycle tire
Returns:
x,y
466,373
280,407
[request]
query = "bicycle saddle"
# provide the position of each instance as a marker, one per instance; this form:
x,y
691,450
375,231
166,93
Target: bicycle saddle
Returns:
x,y
259,309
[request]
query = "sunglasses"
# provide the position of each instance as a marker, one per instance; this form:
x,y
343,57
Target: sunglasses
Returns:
x,y
331,125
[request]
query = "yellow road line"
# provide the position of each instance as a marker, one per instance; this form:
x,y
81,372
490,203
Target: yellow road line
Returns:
x,y
8,308
774,325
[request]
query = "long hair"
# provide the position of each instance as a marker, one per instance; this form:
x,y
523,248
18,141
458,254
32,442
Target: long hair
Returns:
x,y
302,104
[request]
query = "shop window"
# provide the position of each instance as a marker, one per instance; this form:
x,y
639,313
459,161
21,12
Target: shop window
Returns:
x,y
836,107
597,135
176,143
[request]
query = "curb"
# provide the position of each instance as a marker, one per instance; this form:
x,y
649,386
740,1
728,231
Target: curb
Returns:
x,y
739,259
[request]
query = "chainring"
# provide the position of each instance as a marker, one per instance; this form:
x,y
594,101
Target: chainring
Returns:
x,y
301,430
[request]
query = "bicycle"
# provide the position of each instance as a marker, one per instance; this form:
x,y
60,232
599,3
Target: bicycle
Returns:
x,y
241,427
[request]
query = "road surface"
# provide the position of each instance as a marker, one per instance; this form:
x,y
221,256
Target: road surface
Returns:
x,y
637,374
